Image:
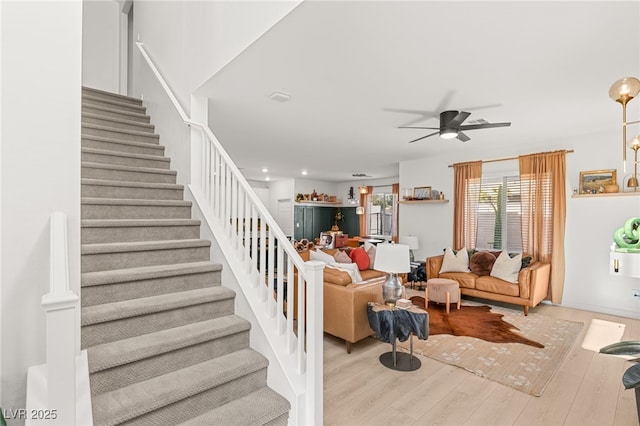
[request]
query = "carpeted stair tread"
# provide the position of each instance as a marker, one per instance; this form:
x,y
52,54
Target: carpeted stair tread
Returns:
x,y
123,142
124,154
142,246
91,91
120,223
89,99
121,133
135,400
134,202
108,355
146,305
91,165
257,408
130,184
92,118
147,272
110,111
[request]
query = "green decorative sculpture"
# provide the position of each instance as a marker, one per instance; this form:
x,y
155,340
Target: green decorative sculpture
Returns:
x,y
627,238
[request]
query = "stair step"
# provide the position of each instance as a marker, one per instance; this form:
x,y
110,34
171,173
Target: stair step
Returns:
x,y
107,208
127,173
97,93
101,120
123,362
121,134
133,283
129,318
101,156
188,392
100,188
128,230
260,407
106,111
121,146
102,257
90,100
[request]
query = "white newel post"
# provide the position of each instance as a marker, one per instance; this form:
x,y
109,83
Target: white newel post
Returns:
x,y
315,321
60,304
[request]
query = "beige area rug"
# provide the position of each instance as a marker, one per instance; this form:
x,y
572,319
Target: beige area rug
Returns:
x,y
522,367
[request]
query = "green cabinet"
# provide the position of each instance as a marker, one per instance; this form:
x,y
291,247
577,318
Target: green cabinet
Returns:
x,y
310,221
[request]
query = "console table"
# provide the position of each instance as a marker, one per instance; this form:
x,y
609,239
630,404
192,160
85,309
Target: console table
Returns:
x,y
391,323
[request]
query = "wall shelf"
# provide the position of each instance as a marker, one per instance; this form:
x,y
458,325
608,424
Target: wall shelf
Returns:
x,y
422,201
607,194
319,203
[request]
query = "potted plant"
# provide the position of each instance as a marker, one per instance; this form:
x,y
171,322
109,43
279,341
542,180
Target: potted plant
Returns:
x,y
631,377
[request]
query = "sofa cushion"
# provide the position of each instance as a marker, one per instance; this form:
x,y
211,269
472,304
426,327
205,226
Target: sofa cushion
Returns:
x,y
497,286
506,267
458,262
481,263
334,276
465,279
360,258
368,274
349,268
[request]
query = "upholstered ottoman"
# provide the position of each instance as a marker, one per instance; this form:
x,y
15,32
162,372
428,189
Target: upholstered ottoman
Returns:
x,y
442,290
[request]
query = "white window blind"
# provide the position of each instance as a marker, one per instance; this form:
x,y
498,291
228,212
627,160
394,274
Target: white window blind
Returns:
x,y
499,214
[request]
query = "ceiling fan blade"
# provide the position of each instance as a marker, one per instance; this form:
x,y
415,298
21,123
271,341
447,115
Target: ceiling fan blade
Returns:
x,y
483,126
458,119
462,137
411,127
431,134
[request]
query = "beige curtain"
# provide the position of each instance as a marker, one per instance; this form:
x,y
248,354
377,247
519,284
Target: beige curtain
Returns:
x,y
543,198
395,190
364,218
467,179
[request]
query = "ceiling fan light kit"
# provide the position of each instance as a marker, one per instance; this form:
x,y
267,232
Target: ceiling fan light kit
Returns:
x,y
451,126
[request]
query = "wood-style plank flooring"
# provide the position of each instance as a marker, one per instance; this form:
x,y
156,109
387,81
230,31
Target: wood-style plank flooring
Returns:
x,y
586,390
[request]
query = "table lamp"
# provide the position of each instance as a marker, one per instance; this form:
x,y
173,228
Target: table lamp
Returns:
x,y
412,242
392,259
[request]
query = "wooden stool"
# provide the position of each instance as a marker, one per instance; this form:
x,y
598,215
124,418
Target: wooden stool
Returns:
x,y
442,290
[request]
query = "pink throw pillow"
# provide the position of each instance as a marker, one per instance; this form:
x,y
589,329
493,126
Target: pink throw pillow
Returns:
x,y
342,257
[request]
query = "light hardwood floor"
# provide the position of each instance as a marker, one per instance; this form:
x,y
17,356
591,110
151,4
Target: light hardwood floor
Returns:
x,y
586,390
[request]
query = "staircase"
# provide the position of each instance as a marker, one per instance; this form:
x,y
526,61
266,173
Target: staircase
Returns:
x,y
163,342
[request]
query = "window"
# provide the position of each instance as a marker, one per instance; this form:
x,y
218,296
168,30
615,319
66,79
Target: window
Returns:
x,y
499,214
380,211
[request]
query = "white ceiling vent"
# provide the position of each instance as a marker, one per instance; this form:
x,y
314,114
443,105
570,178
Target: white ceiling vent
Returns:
x,y
279,96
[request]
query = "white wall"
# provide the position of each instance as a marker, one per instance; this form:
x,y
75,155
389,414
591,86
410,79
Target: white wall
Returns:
x,y
589,227
40,171
190,41
282,190
101,45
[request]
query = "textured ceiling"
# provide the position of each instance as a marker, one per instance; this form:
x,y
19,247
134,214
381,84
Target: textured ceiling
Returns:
x,y
358,70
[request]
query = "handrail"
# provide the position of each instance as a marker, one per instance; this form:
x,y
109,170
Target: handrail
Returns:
x,y
264,263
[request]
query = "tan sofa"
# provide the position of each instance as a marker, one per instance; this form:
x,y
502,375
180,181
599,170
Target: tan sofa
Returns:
x,y
345,303
531,289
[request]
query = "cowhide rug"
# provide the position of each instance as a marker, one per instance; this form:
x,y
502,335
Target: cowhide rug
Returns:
x,y
472,321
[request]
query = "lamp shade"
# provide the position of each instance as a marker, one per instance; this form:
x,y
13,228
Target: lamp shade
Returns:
x,y
624,90
411,241
392,258
359,210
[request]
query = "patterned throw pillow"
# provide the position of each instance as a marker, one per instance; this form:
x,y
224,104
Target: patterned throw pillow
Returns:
x,y
360,258
342,257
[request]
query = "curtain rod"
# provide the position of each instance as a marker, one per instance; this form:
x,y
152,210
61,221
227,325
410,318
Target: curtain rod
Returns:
x,y
495,160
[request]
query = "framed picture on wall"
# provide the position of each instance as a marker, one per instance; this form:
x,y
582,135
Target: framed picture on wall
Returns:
x,y
591,181
422,192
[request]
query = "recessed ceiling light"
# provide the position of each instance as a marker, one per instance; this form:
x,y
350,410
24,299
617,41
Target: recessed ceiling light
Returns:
x,y
304,172
265,170
279,96
267,178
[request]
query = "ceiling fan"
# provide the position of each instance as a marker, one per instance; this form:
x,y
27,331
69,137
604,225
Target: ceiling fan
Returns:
x,y
451,126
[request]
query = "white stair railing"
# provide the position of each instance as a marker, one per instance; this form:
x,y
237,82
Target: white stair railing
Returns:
x,y
284,292
58,391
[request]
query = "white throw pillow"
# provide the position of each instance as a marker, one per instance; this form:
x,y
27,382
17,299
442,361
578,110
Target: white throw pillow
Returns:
x,y
321,256
507,268
351,269
455,262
